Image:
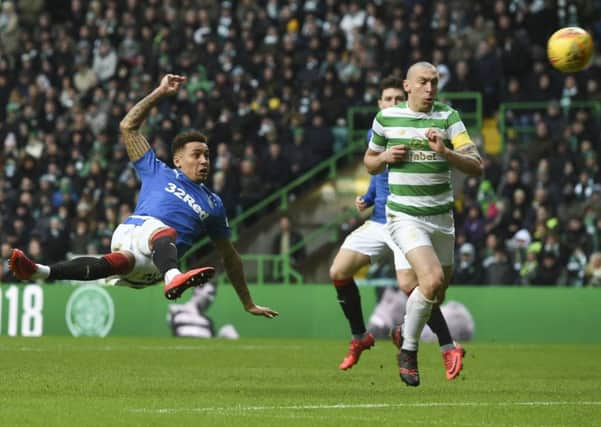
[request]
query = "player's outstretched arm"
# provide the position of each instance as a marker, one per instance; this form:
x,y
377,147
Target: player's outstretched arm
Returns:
x,y
235,271
135,143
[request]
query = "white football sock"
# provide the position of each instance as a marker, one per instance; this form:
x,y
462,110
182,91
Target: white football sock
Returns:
x,y
416,315
42,272
170,274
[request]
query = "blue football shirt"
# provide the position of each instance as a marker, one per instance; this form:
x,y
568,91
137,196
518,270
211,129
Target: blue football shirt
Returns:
x,y
189,207
377,193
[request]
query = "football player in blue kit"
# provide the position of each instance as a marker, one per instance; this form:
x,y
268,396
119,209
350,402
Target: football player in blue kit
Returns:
x,y
174,210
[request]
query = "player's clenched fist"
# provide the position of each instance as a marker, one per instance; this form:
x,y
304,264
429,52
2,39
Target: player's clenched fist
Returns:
x,y
170,83
435,141
395,154
360,204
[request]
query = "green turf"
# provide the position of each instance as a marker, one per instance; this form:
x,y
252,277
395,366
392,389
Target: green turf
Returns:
x,y
269,382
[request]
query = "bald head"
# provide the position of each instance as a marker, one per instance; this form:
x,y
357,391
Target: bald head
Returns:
x,y
421,86
418,66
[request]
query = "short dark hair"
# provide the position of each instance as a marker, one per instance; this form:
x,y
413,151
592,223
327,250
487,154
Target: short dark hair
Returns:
x,y
391,82
182,138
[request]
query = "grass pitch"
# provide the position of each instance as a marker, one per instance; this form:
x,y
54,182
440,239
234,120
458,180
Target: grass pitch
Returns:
x,y
176,382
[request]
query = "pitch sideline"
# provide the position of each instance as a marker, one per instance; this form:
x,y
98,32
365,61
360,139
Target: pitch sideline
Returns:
x,y
363,406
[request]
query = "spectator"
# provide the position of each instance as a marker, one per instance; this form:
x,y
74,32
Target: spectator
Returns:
x,y
245,64
474,225
56,243
576,237
286,239
105,60
5,252
9,28
250,184
84,78
517,247
549,271
498,269
225,185
275,168
593,270
576,268
467,271
80,238
529,267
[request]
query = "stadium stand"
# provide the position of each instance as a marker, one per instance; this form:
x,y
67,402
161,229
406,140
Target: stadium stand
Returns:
x,y
270,82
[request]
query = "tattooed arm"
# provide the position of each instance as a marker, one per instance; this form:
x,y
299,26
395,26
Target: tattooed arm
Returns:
x,y
135,143
235,272
466,158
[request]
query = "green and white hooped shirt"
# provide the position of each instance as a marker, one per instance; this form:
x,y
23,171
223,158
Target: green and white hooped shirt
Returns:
x,y
420,185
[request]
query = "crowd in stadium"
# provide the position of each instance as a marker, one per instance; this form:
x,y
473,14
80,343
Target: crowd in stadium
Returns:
x,y
269,82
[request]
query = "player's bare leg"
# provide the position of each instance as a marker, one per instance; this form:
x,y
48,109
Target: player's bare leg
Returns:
x,y
430,276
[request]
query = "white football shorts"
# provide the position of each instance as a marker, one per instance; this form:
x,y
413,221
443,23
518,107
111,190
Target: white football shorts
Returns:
x,y
134,236
437,231
372,239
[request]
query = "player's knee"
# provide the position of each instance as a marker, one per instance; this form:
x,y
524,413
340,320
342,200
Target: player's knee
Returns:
x,y
406,290
339,277
407,282
433,281
337,273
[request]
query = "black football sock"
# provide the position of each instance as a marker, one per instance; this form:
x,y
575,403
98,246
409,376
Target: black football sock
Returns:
x,y
439,326
350,301
82,268
164,253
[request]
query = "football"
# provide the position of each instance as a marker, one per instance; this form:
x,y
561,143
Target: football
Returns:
x,y
570,49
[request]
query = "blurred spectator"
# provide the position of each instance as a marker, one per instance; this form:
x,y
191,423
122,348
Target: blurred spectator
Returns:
x,y
517,247
275,168
84,78
285,240
498,269
80,238
549,270
473,226
56,243
105,60
467,270
576,237
271,74
225,185
489,73
250,184
593,270
9,28
575,269
529,267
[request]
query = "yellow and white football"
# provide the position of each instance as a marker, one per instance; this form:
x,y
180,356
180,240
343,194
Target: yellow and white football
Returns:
x,y
570,49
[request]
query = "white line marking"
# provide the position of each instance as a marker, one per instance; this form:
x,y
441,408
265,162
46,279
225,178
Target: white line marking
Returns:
x,y
208,346
362,406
